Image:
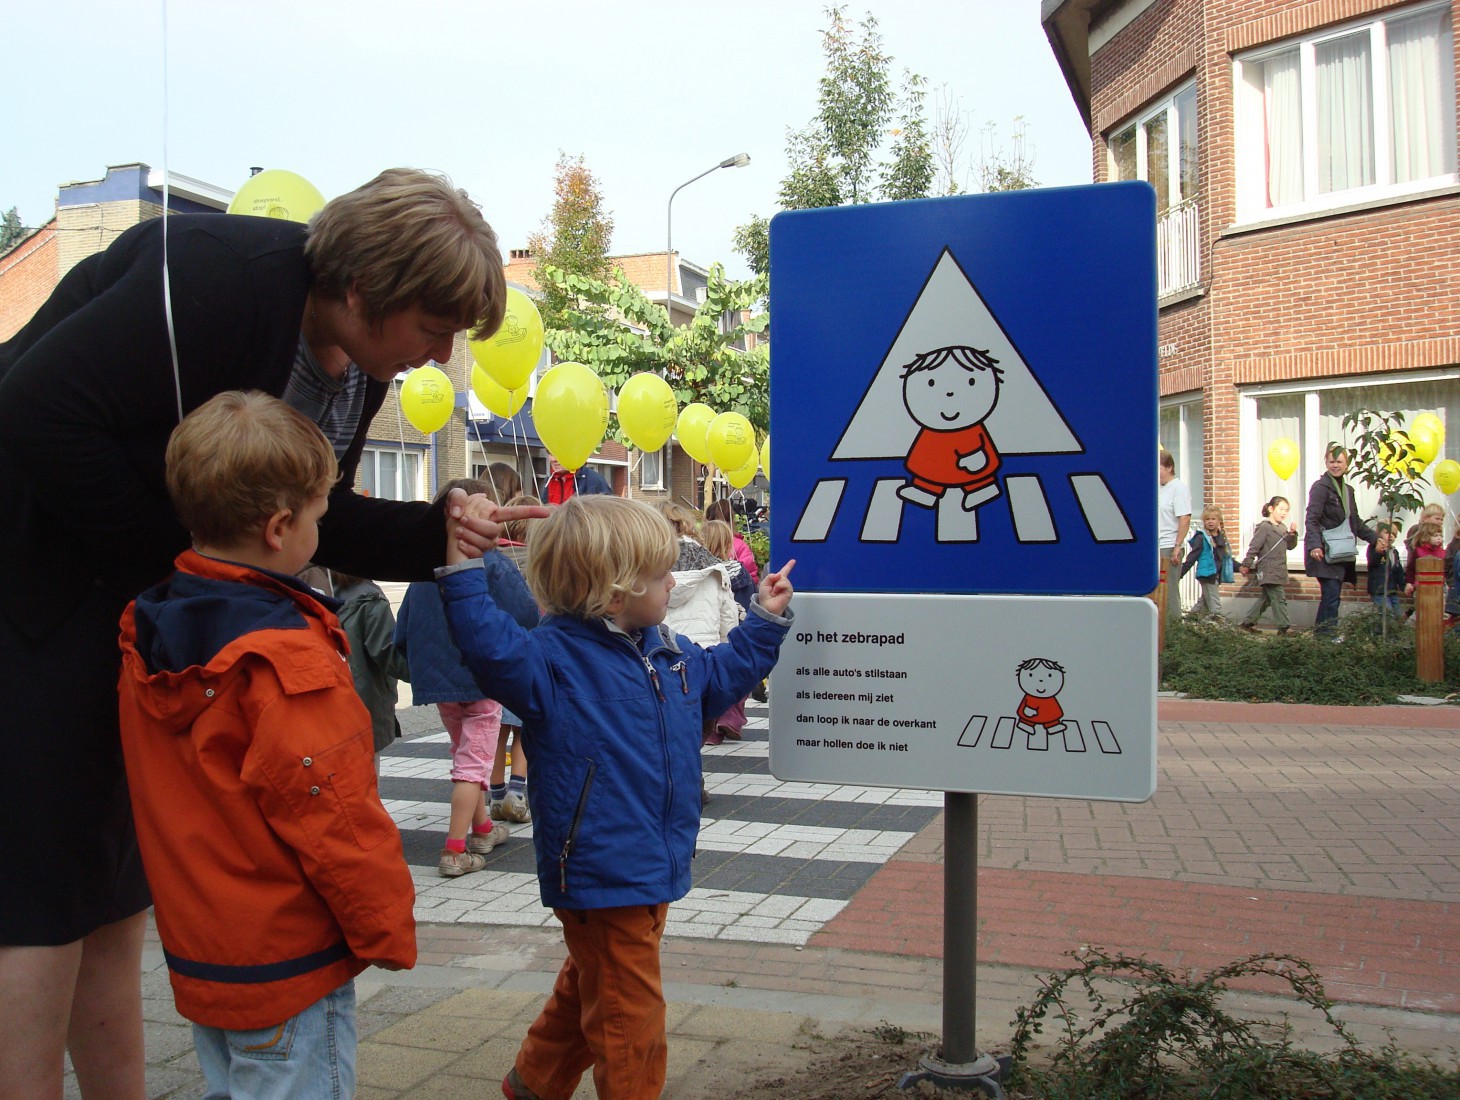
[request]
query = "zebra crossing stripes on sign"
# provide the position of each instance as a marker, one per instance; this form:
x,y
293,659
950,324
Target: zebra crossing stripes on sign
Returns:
x,y
973,382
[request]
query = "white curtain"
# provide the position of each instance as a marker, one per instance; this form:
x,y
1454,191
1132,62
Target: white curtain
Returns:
x,y
1278,417
1282,99
1345,113
1421,97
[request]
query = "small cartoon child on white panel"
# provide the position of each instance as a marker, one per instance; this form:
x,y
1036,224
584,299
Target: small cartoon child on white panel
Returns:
x,y
1041,680
950,392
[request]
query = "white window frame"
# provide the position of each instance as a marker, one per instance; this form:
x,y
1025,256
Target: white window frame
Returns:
x,y
1166,105
651,469
1250,153
1312,443
371,456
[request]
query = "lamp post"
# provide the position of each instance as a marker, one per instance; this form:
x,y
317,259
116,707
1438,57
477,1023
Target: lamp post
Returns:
x,y
739,160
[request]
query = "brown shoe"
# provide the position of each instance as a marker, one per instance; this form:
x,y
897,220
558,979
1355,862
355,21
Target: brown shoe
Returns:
x,y
514,1089
454,864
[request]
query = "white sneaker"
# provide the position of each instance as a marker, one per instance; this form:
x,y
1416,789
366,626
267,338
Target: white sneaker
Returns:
x,y
482,843
514,807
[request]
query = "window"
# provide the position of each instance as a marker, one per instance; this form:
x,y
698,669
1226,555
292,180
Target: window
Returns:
x,y
651,469
392,473
1181,434
1362,111
1159,146
1312,417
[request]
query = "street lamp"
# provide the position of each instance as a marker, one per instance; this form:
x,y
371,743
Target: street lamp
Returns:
x,y
739,160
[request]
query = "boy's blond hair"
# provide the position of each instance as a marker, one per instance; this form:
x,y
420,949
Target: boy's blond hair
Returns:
x,y
685,521
593,548
409,238
240,457
719,539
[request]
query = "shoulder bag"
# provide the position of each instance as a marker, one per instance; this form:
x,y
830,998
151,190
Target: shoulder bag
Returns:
x,y
1340,544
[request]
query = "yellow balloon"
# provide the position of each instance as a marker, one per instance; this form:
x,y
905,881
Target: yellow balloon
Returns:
x,y
1432,422
1282,456
693,430
275,193
647,411
570,413
1425,442
1447,475
1398,456
765,456
744,475
502,401
427,398
732,441
510,354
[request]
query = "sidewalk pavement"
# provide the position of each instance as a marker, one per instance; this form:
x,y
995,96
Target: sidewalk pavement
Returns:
x,y
1329,833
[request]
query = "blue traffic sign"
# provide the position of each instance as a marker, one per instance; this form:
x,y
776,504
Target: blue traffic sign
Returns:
x,y
963,393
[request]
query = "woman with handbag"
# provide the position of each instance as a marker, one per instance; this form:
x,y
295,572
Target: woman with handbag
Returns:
x,y
1332,530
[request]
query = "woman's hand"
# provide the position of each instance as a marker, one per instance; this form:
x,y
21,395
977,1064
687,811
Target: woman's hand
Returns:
x,y
474,523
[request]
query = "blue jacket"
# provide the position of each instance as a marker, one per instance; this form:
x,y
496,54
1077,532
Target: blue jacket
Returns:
x,y
613,732
438,672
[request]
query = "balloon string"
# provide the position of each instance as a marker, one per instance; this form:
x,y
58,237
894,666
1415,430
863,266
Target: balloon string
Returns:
x,y
167,202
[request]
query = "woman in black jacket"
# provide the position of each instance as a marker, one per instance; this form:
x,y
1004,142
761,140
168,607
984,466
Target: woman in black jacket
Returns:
x,y
90,390
1330,505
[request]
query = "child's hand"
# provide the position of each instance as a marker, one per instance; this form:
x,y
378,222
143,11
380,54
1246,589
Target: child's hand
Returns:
x,y
775,589
1245,570
1409,590
474,523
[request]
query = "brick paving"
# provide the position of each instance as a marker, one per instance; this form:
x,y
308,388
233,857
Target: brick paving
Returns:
x,y
1274,829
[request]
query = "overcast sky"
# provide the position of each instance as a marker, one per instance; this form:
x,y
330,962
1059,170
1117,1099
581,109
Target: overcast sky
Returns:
x,y
650,93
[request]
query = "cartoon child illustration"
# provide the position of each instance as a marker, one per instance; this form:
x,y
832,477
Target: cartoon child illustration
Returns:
x,y
1041,680
949,392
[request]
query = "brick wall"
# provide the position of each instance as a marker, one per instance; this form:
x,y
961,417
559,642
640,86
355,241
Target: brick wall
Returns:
x,y
1363,292
27,277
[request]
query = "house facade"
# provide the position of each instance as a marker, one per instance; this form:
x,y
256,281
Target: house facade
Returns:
x,y
1303,155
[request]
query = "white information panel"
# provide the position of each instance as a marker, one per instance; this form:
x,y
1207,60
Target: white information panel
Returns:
x,y
1052,696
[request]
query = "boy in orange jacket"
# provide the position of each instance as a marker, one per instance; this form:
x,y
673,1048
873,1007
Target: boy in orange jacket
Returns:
x,y
276,872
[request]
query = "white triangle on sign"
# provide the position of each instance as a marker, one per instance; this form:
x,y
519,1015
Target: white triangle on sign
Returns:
x,y
949,311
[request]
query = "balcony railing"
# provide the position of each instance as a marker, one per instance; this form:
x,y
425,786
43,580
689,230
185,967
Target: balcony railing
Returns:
x,y
1178,249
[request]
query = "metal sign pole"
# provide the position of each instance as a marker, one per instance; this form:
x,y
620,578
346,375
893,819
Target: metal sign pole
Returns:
x,y
960,1065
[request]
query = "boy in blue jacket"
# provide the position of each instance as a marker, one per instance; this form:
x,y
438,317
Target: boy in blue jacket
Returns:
x,y
612,704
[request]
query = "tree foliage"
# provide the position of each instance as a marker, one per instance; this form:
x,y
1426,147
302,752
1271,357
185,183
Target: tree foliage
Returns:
x,y
575,237
843,155
613,328
12,232
1382,458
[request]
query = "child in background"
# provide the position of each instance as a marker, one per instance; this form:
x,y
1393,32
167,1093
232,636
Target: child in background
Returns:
x,y
1267,555
1432,513
1429,542
1386,571
1452,594
717,535
369,624
613,703
721,510
277,874
472,721
1208,552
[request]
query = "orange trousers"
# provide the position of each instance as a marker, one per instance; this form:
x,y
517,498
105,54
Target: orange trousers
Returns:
x,y
606,1009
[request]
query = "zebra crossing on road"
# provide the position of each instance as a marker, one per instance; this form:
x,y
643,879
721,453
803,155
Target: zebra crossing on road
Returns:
x,y
775,860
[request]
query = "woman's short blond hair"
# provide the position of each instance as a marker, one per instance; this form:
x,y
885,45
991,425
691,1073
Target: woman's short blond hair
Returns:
x,y
408,238
685,521
719,538
240,457
593,548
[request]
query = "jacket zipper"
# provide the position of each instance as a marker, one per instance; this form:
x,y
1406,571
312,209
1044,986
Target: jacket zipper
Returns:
x,y
664,739
573,828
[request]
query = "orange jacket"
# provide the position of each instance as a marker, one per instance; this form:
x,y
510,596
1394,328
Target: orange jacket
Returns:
x,y
277,873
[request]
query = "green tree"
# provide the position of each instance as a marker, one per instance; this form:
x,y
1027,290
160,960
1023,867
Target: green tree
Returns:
x,y
836,158
613,328
574,238
1384,460
12,232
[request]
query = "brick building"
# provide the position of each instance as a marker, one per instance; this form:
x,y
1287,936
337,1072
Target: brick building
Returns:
x,y
1303,154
